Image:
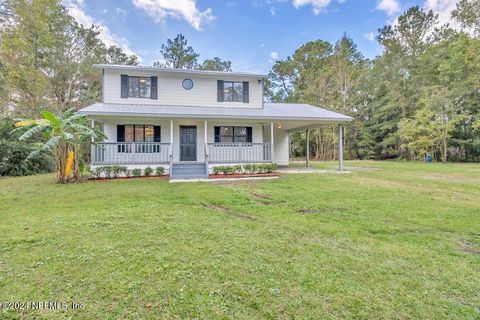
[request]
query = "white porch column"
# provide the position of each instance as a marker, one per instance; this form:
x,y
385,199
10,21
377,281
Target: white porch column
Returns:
x,y
171,133
271,138
93,127
206,133
307,151
340,147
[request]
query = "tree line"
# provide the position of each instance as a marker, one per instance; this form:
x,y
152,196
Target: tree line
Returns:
x,y
420,97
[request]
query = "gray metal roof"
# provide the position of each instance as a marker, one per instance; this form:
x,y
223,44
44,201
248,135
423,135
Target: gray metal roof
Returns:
x,y
181,71
270,111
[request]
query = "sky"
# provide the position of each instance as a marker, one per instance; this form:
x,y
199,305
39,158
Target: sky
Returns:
x,y
253,34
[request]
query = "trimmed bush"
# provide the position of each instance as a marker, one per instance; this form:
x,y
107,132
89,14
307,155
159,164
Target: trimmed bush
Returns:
x,y
116,171
137,172
126,172
247,167
159,171
97,172
107,170
237,169
216,170
148,171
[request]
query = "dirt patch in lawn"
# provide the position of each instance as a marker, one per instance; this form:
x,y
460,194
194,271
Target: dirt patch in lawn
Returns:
x,y
263,198
226,210
469,248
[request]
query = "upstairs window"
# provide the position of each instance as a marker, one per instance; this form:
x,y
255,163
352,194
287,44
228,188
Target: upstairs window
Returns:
x,y
233,134
231,91
139,87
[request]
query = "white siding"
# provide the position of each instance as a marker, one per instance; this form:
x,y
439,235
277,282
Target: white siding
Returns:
x,y
171,92
281,144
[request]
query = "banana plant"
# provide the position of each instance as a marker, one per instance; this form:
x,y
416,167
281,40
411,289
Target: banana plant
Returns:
x,y
63,134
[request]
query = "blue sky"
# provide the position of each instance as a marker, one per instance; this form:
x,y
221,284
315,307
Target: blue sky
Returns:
x,y
250,33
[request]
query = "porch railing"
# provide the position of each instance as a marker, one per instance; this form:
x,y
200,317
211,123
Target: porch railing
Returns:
x,y
130,153
239,152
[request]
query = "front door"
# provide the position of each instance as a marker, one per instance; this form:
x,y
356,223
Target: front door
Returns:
x,y
188,143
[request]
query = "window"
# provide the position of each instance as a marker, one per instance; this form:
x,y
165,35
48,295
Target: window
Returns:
x,y
187,84
233,134
138,133
139,87
233,91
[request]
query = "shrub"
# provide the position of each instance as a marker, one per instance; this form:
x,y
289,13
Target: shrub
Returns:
x,y
126,172
13,155
148,171
254,168
97,172
159,171
216,170
137,172
107,170
274,167
247,167
237,169
270,167
116,170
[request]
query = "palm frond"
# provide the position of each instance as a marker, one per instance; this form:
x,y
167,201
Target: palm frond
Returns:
x,y
52,119
48,146
33,131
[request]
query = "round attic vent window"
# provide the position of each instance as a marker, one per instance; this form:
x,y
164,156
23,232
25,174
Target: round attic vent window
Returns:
x,y
187,84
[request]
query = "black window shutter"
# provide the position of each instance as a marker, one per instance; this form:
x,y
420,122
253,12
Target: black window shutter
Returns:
x,y
217,134
124,86
245,92
120,133
153,88
219,90
156,134
249,134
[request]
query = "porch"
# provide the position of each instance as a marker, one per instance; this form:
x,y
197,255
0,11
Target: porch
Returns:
x,y
151,153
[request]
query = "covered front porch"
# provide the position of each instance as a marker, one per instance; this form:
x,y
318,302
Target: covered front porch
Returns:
x,y
141,142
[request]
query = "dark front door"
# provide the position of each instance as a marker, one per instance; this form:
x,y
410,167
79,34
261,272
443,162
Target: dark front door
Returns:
x,y
188,143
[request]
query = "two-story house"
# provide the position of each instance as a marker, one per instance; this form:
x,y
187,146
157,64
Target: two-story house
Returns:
x,y
190,120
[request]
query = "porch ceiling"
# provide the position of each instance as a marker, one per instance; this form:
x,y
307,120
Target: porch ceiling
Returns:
x,y
291,116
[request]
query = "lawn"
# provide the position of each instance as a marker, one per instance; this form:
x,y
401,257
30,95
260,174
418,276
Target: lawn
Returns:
x,y
389,240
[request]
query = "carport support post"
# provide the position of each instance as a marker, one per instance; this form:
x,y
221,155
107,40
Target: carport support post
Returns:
x,y
340,147
271,138
307,150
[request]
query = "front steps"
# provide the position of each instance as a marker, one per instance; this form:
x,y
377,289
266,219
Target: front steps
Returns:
x,y
183,171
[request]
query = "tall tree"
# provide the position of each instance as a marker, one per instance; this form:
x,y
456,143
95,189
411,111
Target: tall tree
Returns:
x,y
467,13
216,64
178,54
47,59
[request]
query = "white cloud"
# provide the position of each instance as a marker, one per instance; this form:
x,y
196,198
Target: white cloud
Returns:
x,y
443,8
318,6
370,36
273,57
76,10
390,7
186,10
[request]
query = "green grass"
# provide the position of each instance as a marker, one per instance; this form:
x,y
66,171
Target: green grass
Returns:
x,y
390,240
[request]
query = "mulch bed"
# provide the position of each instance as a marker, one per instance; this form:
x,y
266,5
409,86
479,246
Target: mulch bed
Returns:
x,y
164,177
242,175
